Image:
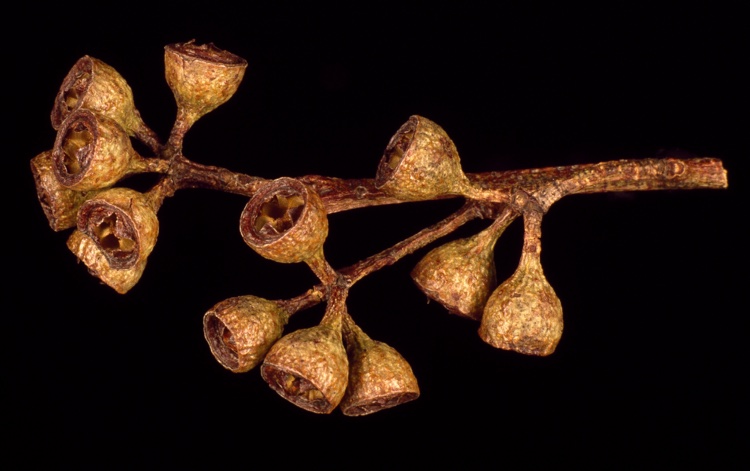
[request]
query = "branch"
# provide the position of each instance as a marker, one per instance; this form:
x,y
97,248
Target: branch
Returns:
x,y
286,220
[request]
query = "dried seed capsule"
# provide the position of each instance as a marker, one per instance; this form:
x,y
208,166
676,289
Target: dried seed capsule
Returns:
x,y
379,377
241,330
201,77
309,367
285,221
60,204
91,84
116,232
93,152
524,314
91,254
461,274
420,163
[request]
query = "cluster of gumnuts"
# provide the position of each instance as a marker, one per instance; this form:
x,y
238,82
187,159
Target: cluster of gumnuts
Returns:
x,y
333,364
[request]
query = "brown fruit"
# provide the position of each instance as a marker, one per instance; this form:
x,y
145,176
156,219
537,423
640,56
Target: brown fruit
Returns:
x,y
524,314
116,232
201,77
421,163
379,377
285,221
461,274
241,330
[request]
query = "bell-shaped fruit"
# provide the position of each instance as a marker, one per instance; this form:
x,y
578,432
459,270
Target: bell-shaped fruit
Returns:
x,y
379,377
116,232
201,77
93,85
285,221
461,274
59,203
92,152
309,367
524,314
241,330
421,163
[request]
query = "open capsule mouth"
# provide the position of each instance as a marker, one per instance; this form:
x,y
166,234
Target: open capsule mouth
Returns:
x,y
74,148
112,230
394,152
278,215
222,342
73,89
295,388
273,212
207,53
284,221
376,404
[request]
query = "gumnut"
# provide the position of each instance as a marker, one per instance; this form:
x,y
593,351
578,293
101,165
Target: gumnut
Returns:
x,y
59,203
461,274
241,330
379,377
201,77
91,84
420,163
309,367
116,232
93,152
285,221
524,314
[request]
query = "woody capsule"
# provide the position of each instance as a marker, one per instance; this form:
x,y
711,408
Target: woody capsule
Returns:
x,y
461,274
524,314
59,203
202,77
92,152
93,85
241,330
285,221
309,367
116,231
420,163
379,377
334,363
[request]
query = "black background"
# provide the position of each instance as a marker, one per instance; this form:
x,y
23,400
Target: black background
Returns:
x,y
651,367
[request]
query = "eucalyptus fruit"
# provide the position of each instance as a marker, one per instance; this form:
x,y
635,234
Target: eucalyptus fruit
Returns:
x,y
92,152
461,274
241,330
60,203
82,184
379,377
421,163
116,232
202,77
309,367
524,314
93,85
